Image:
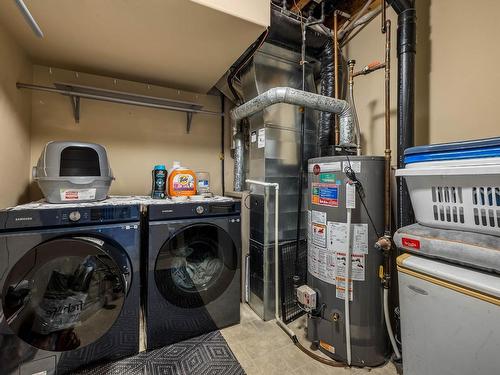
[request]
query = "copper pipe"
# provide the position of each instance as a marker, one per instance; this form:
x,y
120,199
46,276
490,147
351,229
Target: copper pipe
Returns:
x,y
387,153
384,16
372,67
336,71
351,64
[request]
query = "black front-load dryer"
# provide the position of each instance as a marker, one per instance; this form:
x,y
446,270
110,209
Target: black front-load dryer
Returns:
x,y
193,269
69,284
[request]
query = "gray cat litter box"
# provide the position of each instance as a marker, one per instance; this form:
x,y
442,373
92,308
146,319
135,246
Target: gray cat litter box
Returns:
x,y
73,172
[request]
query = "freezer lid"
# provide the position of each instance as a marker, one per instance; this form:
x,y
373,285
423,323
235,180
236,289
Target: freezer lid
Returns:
x,y
480,148
461,279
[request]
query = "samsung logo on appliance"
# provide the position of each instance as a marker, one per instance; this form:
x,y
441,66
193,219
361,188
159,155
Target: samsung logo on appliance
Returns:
x,y
23,219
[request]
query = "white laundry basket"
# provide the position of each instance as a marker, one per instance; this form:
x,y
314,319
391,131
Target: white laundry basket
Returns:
x,y
455,185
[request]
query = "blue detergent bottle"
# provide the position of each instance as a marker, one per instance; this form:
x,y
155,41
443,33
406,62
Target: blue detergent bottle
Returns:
x,y
159,176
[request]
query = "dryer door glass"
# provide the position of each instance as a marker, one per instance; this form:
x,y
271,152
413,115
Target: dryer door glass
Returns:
x,y
66,293
196,265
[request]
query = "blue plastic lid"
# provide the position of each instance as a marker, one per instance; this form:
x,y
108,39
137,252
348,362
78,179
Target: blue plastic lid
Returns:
x,y
160,167
480,148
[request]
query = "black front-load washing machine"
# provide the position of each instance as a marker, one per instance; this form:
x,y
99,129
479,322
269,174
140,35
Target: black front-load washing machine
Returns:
x,y
69,284
193,269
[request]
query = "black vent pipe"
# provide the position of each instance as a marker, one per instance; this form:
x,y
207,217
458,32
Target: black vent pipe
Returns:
x,y
407,22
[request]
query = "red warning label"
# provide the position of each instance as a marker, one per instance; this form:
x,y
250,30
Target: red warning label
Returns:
x,y
411,243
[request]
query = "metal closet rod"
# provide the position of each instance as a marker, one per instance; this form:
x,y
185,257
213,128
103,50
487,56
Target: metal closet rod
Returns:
x,y
77,94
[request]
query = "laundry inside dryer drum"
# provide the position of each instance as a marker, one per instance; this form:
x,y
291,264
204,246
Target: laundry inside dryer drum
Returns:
x,y
64,294
194,266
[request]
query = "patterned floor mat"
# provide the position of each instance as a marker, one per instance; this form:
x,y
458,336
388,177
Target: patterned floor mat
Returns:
x,y
204,355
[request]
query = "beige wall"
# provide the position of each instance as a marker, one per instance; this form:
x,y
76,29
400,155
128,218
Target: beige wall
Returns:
x,y
255,11
173,43
136,138
15,117
457,78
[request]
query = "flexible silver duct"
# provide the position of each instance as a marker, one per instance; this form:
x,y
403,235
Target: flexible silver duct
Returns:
x,y
238,161
296,97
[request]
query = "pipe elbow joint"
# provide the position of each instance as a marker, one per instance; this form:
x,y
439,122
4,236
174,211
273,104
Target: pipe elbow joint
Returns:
x,y
384,244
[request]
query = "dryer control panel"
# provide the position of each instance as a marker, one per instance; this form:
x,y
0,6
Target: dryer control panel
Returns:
x,y
173,211
34,218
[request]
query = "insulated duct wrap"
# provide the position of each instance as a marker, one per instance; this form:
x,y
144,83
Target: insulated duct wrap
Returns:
x,y
296,97
326,121
304,99
327,89
238,161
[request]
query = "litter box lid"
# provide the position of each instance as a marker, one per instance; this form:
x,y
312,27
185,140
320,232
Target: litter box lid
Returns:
x,y
71,160
480,148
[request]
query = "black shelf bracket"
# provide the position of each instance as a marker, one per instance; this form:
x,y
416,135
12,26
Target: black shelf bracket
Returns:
x,y
189,119
77,92
75,103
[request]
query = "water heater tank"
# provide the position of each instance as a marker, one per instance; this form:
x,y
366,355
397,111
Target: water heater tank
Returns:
x,y
327,245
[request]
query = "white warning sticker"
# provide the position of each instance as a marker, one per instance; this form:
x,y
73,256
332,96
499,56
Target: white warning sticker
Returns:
x,y
358,266
350,195
261,139
360,239
319,234
337,237
318,217
321,263
68,195
355,166
312,260
340,288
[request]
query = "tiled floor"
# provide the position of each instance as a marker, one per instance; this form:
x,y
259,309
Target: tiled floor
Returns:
x,y
263,348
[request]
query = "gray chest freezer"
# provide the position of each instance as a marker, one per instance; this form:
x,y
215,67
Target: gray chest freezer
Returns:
x,y
450,318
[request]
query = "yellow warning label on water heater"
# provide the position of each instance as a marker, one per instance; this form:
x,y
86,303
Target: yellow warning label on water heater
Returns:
x,y
327,347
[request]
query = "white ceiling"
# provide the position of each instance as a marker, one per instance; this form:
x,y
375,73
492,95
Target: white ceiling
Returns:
x,y
178,43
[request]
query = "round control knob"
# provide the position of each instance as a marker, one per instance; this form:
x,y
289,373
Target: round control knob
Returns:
x,y
200,210
75,215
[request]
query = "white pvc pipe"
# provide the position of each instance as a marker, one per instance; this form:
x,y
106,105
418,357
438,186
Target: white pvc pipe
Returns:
x,y
347,311
29,18
388,324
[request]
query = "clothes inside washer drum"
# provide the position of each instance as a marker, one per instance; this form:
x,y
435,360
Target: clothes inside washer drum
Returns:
x,y
191,275
476,250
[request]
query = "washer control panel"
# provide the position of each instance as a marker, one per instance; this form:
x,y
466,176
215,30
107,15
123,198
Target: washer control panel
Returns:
x,y
34,218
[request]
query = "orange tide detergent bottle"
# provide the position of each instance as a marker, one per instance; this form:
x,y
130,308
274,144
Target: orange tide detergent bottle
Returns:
x,y
181,181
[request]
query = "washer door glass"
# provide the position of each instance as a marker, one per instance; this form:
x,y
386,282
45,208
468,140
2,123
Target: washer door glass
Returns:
x,y
196,265
66,293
